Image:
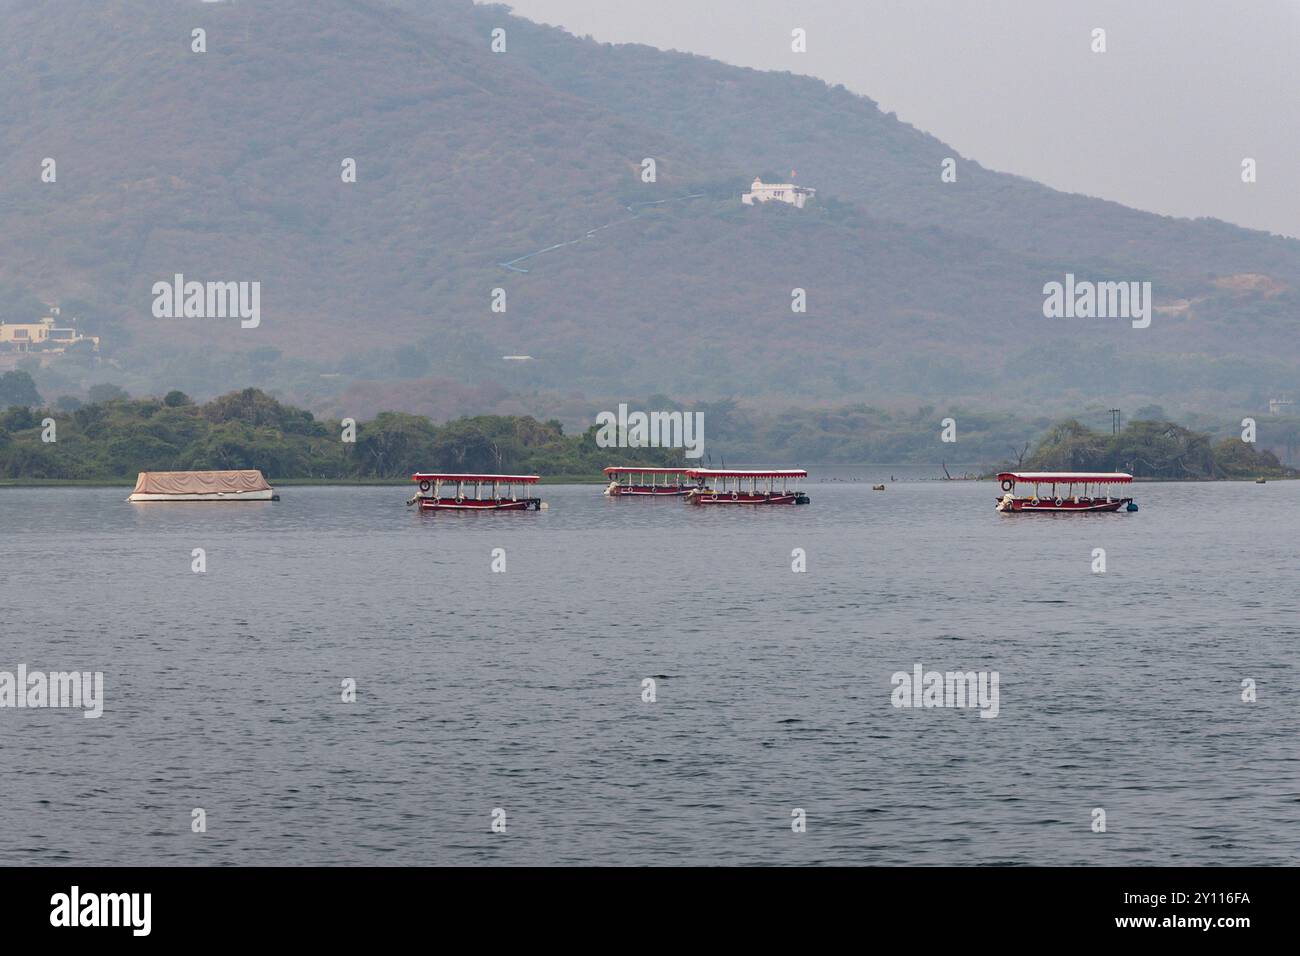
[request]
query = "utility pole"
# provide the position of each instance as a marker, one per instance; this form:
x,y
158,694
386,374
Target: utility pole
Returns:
x,y
1114,434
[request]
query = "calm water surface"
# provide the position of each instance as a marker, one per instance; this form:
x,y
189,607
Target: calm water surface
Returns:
x,y
522,690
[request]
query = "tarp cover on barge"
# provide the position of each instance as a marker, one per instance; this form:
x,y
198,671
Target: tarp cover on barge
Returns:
x,y
199,482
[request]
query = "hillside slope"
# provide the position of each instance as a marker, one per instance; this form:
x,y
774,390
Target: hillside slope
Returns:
x,y
225,165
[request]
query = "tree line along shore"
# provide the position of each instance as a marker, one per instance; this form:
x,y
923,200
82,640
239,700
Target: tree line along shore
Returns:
x,y
111,439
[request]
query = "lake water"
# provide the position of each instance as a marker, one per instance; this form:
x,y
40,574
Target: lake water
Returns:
x,y
523,690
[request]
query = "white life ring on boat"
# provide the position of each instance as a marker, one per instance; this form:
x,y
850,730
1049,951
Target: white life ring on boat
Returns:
x,y
425,486
1034,501
1008,484
460,499
1059,502
735,496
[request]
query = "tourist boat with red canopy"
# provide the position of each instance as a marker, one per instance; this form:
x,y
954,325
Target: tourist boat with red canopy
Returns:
x,y
641,481
1067,492
764,487
440,491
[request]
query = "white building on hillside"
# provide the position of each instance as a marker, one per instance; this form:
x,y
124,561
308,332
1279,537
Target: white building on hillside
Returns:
x,y
760,191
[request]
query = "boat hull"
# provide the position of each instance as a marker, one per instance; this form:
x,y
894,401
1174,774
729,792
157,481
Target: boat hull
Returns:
x,y
264,495
1049,506
740,498
480,504
650,491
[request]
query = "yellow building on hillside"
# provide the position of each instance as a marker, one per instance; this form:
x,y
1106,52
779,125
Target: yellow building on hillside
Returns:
x,y
47,335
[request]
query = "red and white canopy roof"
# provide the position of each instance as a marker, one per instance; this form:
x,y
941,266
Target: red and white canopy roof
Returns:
x,y
1067,477
447,476
722,473
639,470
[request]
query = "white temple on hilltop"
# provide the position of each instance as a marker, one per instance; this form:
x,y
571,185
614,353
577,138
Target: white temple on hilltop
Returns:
x,y
760,191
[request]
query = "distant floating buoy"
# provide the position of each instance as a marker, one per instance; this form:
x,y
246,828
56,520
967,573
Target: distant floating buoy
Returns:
x,y
1132,506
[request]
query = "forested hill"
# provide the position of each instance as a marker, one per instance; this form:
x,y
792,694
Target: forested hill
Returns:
x,y
225,165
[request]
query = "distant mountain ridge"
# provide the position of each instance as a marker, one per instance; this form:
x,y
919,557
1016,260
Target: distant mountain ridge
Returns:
x,y
225,165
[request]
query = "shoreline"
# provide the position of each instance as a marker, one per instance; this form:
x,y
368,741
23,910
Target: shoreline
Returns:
x,y
129,483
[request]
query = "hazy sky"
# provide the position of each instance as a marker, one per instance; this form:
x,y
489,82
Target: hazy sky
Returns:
x,y
1161,121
